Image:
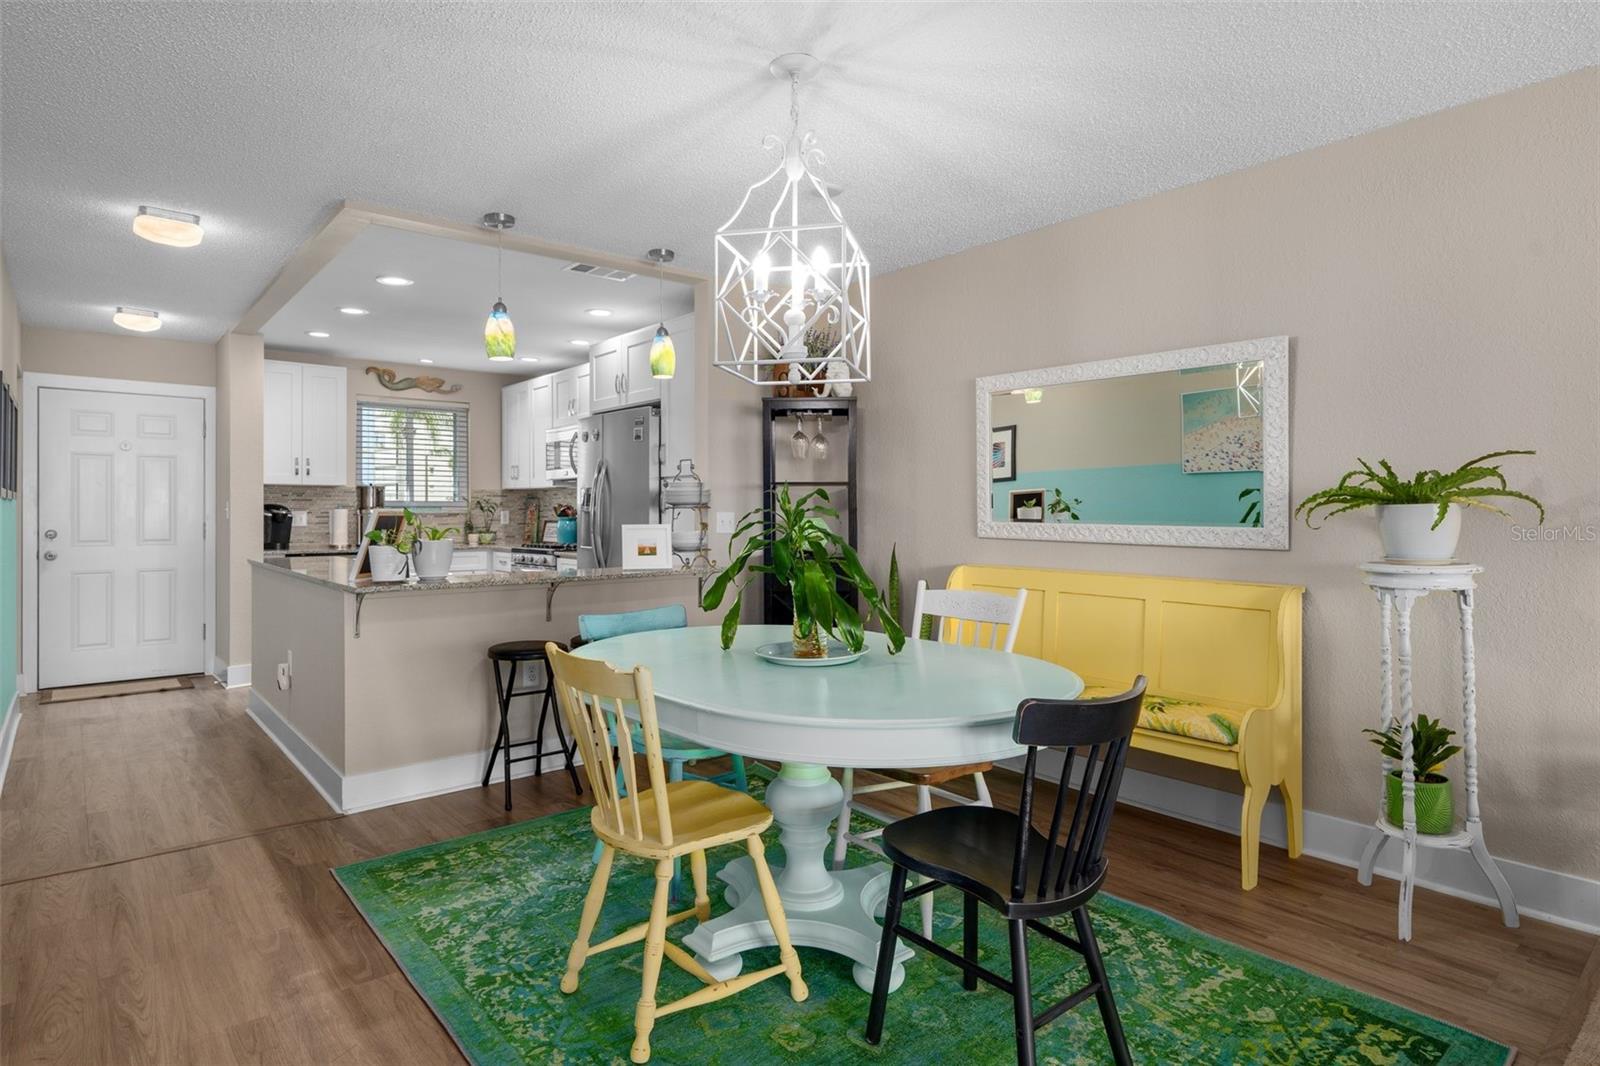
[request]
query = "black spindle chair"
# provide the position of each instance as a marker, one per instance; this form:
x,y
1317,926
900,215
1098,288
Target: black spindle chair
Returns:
x,y
999,859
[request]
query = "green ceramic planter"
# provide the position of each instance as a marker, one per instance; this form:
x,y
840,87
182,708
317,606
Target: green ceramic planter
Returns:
x,y
1436,811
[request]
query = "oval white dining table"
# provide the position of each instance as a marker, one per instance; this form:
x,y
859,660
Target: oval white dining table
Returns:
x,y
931,705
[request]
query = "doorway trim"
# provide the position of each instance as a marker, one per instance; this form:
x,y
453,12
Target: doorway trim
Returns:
x,y
32,382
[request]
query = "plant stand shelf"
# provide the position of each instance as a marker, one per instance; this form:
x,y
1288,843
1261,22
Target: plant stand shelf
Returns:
x,y
1398,587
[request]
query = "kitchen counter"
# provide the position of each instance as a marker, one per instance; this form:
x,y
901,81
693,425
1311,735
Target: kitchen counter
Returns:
x,y
307,550
333,572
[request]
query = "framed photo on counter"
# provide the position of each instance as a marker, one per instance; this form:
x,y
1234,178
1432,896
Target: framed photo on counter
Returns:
x,y
646,547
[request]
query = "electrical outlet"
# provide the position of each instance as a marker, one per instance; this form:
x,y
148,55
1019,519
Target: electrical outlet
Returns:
x,y
532,675
725,522
301,518
283,677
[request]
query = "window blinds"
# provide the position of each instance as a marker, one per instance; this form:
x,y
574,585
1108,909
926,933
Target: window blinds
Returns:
x,y
418,453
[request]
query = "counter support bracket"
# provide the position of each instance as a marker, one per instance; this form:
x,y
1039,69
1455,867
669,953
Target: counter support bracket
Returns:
x,y
550,599
361,597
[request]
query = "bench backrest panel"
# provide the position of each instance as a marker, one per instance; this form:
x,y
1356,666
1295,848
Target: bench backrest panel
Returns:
x,y
1231,643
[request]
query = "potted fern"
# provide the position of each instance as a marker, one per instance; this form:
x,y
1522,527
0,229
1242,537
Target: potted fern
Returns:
x,y
1419,518
434,552
813,561
1430,750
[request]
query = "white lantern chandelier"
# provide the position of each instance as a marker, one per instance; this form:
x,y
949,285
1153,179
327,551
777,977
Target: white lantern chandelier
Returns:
x,y
791,280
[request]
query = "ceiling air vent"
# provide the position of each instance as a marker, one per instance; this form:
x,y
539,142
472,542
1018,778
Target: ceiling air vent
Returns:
x,y
598,271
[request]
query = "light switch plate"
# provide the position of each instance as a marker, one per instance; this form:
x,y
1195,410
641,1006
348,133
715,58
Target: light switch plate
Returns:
x,y
725,522
504,517
302,518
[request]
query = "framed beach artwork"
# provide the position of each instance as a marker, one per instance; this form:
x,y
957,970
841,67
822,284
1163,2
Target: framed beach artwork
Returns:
x,y
1220,433
1003,453
646,547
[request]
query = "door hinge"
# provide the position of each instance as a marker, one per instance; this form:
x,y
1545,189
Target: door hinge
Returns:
x,y
202,631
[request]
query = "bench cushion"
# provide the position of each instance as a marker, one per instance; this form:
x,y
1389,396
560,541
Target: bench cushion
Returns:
x,y
1184,718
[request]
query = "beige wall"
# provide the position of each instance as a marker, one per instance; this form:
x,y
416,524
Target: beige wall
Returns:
x,y
10,332
238,361
125,356
1439,282
479,391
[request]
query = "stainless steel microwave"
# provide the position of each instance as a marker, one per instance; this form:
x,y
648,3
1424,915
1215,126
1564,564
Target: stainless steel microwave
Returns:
x,y
561,454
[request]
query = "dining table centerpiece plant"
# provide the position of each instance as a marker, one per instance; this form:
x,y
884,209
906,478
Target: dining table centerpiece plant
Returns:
x,y
813,562
1419,518
1430,750
434,551
389,550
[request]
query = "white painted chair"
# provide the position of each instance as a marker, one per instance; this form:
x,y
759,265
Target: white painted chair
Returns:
x,y
984,619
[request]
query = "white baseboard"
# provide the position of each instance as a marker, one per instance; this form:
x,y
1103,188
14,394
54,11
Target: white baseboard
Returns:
x,y
235,676
1549,895
382,788
8,735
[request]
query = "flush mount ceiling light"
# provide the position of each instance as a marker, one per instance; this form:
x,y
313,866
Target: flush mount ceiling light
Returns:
x,y
499,335
179,229
318,333
663,356
581,344
787,228
425,360
137,319
599,312
393,279
354,311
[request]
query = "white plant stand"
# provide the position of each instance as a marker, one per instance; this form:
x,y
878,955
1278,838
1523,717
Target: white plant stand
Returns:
x,y
1399,586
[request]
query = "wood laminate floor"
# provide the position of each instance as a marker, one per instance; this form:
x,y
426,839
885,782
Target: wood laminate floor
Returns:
x,y
165,898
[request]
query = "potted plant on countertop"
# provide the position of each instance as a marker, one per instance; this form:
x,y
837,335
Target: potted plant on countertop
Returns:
x,y
434,551
389,550
1419,518
486,509
1430,750
813,561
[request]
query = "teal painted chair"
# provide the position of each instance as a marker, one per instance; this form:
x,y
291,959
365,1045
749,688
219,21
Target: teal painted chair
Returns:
x,y
676,752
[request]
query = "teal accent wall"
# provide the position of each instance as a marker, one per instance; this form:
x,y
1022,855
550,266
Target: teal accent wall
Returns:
x,y
10,640
1160,494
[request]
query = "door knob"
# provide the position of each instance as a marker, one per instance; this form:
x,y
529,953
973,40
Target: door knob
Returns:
x,y
49,556
49,534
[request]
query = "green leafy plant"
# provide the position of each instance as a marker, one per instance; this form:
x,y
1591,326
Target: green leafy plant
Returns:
x,y
437,532
892,594
813,561
1061,505
1470,484
401,538
1252,513
1430,746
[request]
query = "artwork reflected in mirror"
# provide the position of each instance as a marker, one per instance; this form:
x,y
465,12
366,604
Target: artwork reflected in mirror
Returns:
x,y
1170,448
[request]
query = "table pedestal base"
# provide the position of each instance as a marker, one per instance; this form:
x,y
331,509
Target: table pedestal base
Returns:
x,y
825,909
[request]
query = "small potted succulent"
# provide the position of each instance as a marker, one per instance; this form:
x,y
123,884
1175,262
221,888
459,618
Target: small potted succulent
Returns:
x,y
486,508
1419,518
434,551
1430,750
389,550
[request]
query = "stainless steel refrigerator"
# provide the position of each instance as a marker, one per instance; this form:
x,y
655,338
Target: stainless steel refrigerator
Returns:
x,y
619,480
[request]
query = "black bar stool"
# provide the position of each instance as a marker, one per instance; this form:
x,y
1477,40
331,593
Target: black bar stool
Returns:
x,y
516,652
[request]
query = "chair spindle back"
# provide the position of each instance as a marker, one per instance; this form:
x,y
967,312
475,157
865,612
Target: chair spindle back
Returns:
x,y
981,619
1096,734
592,695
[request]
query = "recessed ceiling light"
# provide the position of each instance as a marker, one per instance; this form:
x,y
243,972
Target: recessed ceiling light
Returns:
x,y
393,279
318,333
176,228
137,319
354,311
530,359
424,360
599,312
581,344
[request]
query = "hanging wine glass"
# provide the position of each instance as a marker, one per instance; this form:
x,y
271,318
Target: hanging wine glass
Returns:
x,y
819,443
799,444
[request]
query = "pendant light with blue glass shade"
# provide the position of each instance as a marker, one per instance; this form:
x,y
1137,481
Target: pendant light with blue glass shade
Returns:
x,y
499,335
663,356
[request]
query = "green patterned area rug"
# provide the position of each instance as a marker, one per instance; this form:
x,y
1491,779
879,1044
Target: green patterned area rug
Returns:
x,y
481,926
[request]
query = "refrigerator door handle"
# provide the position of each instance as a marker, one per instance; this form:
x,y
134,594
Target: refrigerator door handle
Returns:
x,y
602,512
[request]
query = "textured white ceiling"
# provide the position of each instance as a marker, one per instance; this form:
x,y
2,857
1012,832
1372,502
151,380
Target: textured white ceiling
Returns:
x,y
622,126
441,316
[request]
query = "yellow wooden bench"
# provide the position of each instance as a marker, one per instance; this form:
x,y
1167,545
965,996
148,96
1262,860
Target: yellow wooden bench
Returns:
x,y
1223,659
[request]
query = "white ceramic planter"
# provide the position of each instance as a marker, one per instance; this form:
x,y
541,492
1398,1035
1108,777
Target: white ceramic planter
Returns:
x,y
433,559
387,563
1408,538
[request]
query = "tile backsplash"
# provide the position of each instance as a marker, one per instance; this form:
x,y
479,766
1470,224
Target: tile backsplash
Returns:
x,y
319,501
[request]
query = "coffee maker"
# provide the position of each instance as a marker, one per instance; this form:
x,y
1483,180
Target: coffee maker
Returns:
x,y
276,521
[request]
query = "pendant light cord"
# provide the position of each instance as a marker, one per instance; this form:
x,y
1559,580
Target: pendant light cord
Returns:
x,y
794,102
499,266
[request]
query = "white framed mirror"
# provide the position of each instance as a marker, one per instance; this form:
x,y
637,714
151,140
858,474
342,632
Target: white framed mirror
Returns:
x,y
1188,447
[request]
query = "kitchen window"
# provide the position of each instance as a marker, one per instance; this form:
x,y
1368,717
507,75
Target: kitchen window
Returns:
x,y
417,452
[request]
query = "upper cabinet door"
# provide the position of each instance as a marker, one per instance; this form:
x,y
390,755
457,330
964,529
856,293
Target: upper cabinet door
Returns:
x,y
583,404
324,418
606,390
564,399
280,422
637,384
516,437
541,419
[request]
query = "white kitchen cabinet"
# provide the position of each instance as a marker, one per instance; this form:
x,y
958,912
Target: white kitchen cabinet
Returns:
x,y
516,437
305,420
541,418
605,376
637,385
564,398
470,562
582,403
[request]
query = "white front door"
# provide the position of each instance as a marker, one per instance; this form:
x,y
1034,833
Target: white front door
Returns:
x,y
121,536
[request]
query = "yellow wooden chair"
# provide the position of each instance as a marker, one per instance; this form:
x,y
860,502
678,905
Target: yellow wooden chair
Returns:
x,y
662,822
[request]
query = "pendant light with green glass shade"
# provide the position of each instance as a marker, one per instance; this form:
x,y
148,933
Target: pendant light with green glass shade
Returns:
x,y
499,335
663,356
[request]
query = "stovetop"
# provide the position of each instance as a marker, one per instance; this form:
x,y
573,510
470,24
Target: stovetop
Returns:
x,y
554,549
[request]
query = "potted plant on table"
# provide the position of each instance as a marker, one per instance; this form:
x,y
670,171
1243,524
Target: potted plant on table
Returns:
x,y
1430,750
813,561
434,551
389,550
1419,518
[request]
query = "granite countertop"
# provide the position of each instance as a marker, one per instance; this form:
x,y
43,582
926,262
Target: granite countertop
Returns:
x,y
333,572
307,550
